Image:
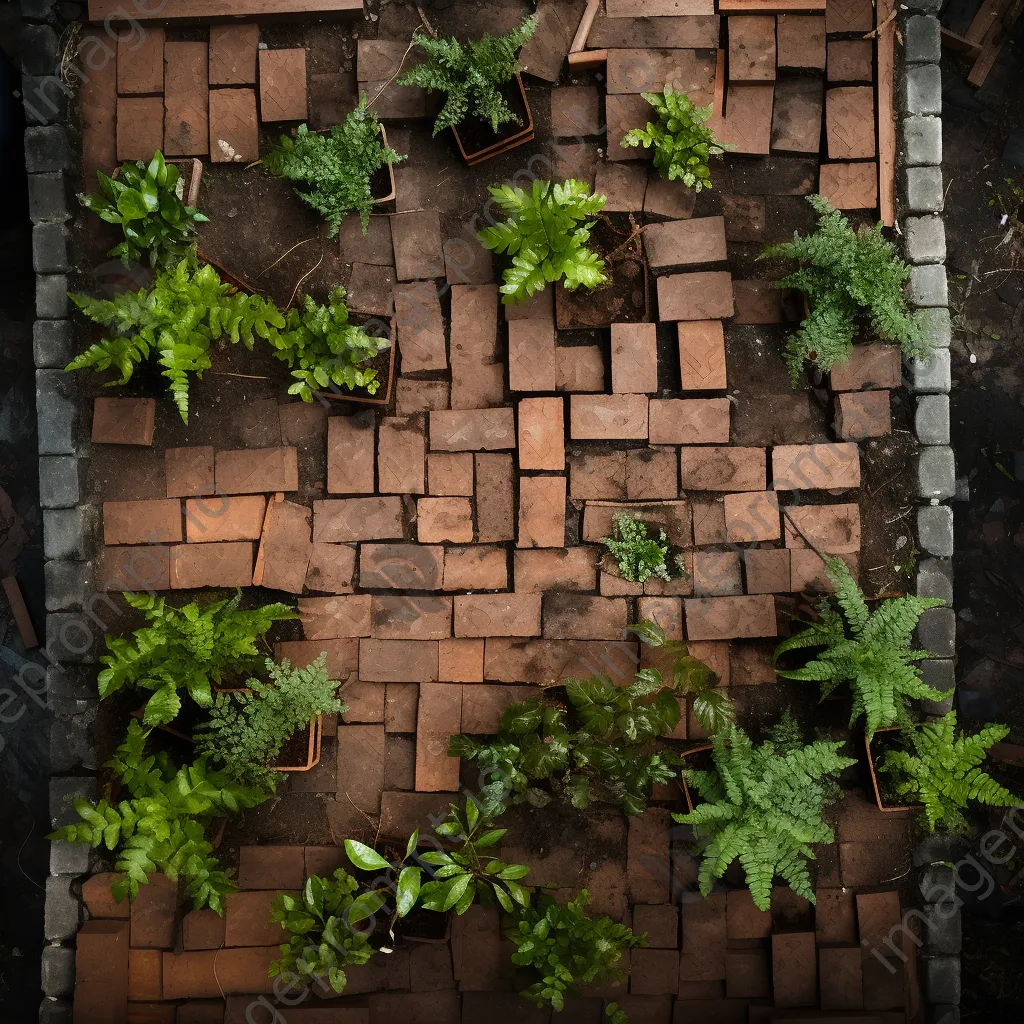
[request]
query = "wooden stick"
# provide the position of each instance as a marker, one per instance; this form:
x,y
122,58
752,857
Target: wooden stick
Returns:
x,y
579,41
20,611
586,59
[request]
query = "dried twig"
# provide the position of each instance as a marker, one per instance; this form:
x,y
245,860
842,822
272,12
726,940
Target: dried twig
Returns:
x,y
426,22
401,64
312,238
875,31
300,280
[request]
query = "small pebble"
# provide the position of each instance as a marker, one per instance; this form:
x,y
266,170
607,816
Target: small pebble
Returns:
x,y
233,212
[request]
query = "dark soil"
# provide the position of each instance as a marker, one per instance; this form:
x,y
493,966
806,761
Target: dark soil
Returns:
x,y
476,134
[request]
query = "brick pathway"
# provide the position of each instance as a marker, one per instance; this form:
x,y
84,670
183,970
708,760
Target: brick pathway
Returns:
x,y
451,565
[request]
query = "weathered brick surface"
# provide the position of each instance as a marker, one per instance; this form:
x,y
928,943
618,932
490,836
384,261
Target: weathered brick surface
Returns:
x,y
541,434
850,60
767,570
705,295
140,63
99,900
417,238
370,289
850,122
870,366
283,85
594,473
350,453
635,71
400,699
401,454
745,218
412,396
850,186
123,420
608,417
576,617
472,430
228,564
406,617
689,420
748,124
863,414
835,918
539,571
685,242
474,324
342,656
333,618
360,768
247,915
444,519
807,570
702,355
344,520
279,866
101,973
186,99
673,517
401,566
397,661
238,517
752,48
332,568
189,471
709,522
152,914
495,512
794,969
450,474
757,302
252,470
234,126
574,110
439,716
833,529
801,41
752,516
213,974
652,474
140,127
815,466
724,618
541,512
153,521
461,660
420,328
134,568
841,968
744,920
495,615
704,939
579,368
547,661
233,51
717,573
285,547
634,358
531,355
722,469
476,567
796,115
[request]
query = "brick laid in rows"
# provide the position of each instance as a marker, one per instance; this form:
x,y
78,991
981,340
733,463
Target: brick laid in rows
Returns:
x,y
541,512
722,469
705,295
444,519
490,615
542,570
476,567
863,414
576,617
439,716
801,41
332,618
213,974
227,564
716,573
397,661
101,972
283,85
247,915
704,940
238,517
134,568
450,474
360,772
346,520
495,515
634,358
233,51
405,617
595,473
752,516
401,566
234,126
152,521
186,99
727,618
767,570
474,324
702,355
472,430
531,355
850,186
140,127
420,327
253,470
332,568
689,420
541,434
189,471
350,453
401,454
833,529
794,969
608,417
652,474
876,365
671,516
685,242
815,466
461,660
579,368
548,661
850,122
752,48
285,548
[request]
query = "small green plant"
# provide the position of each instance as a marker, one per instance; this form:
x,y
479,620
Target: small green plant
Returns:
x,y
848,277
566,948
335,169
763,806
188,648
327,348
470,75
682,141
176,320
246,731
161,826
639,557
145,200
941,771
869,650
546,234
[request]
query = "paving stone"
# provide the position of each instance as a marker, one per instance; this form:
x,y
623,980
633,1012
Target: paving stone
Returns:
x,y
540,306
716,573
64,533
258,469
705,295
746,921
450,473
406,617
863,414
575,617
332,568
214,518
417,240
925,239
495,513
704,940
689,421
932,374
597,473
140,122
153,914
935,530
233,51
685,242
136,568
936,326
247,914
650,70
794,969
722,469
413,396
140,64
634,358
211,974
480,386
652,474
346,520
541,512
876,365
472,430
842,968
850,186
653,971
623,113
541,435
538,571
285,548
928,286
123,421
702,355
796,116
350,453
748,124
370,289
574,111
850,122
726,618
461,661
495,615
660,922
439,715
444,519
186,99
189,471
833,529
153,521
608,417
374,248
849,16
814,466
359,770
544,55
922,138
51,292
397,661
664,198
283,85
851,60
234,127
752,516
921,40
59,482
671,516
331,618
747,974
466,261
623,186
531,355
400,699
101,971
751,48
420,327
546,661
801,41
401,455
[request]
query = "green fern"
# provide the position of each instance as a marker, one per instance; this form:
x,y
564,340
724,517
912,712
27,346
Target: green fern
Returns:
x,y
470,75
545,237
188,648
336,169
848,277
941,771
682,141
639,557
875,658
763,806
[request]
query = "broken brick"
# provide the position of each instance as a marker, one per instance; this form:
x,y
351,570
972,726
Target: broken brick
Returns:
x,y
283,85
438,718
704,295
285,548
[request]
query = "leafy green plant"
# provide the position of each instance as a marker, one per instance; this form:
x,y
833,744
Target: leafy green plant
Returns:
x,y
321,925
471,75
246,731
603,740
546,234
940,770
188,648
327,348
336,169
640,557
567,948
161,825
763,806
682,141
869,650
143,198
177,319
848,277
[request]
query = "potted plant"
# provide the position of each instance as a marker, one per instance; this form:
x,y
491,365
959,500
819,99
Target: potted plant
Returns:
x,y
483,87
682,141
763,805
869,650
145,201
636,556
849,278
349,169
938,771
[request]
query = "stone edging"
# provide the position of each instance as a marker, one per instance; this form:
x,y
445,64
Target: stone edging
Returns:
x,y
920,198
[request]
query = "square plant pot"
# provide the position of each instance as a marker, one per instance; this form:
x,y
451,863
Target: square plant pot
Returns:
x,y
474,153
882,806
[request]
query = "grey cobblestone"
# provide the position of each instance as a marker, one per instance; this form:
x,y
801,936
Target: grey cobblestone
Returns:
x,y
936,473
928,285
72,744
936,632
931,374
53,343
942,979
47,149
45,98
58,971
59,482
942,934
935,530
931,419
937,884
38,49
70,691
66,584
922,89
62,912
935,579
943,1013
56,413
68,859
50,248
55,1011
71,638
923,187
47,197
52,296
921,43
922,139
925,239
64,533
935,324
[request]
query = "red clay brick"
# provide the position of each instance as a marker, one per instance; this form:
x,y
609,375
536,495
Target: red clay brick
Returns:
x,y
702,355
332,568
833,529
472,430
370,289
397,661
851,60
402,566
490,615
801,41
745,218
123,420
444,519
613,585
752,516
247,914
450,474
101,973
794,969
685,242
689,421
722,469
644,70
152,914
145,974
135,568
406,617
877,914
725,618
99,900
608,417
835,918
870,366
202,929
716,574
271,867
461,661
841,970
401,454
360,767
647,855
474,324
671,516
476,567
796,115
400,699
531,355
747,974
189,471
757,302
342,656
748,124
597,473
652,474
495,512
814,466
252,470
140,127
417,239
850,122
579,368
863,414
704,295
767,570
745,921
215,518
234,127
153,521
98,105
439,717
483,705
555,569
709,522
213,974
345,520
849,16
283,85
228,564
661,924
233,54
653,972
752,48
576,617
477,387
420,328
541,512
186,99
807,570
634,358
323,860
285,548
850,186
541,434
574,111
140,63
331,618
704,940
548,661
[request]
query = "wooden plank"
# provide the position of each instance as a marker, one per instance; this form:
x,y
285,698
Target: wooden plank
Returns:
x,y
768,6
191,10
657,8
958,43
984,64
886,122
20,612
579,41
988,15
584,60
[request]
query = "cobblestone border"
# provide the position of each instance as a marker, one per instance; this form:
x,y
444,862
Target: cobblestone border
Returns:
x,y
920,203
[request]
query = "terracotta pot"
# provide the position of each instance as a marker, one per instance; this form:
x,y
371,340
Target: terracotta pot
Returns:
x,y
682,778
392,191
503,145
874,778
